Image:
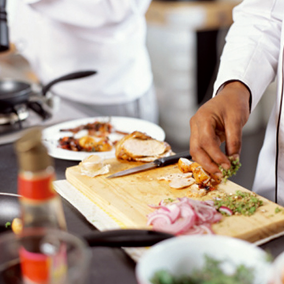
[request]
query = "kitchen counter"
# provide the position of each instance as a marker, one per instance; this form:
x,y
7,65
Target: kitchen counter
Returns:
x,y
109,265
113,265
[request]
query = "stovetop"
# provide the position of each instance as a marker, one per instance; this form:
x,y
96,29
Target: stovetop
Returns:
x,y
10,133
26,119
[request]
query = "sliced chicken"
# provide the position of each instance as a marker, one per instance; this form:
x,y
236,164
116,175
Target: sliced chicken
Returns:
x,y
139,146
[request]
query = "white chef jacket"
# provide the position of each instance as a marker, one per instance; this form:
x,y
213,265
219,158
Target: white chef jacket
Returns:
x,y
253,54
62,36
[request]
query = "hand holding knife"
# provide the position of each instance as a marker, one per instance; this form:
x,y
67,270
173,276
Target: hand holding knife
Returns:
x,y
165,161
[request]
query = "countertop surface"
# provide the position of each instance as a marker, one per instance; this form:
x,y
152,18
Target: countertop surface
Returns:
x,y
109,265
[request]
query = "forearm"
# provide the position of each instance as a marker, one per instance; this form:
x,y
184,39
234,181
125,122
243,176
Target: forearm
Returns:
x,y
251,52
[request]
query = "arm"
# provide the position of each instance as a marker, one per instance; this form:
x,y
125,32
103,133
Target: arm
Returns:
x,y
251,52
250,56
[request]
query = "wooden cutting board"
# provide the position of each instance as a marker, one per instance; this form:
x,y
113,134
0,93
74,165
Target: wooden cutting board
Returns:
x,y
126,199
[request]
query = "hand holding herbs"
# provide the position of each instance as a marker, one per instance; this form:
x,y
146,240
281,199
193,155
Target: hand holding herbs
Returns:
x,y
235,165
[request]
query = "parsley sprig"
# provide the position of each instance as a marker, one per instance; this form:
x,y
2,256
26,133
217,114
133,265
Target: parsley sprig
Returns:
x,y
235,165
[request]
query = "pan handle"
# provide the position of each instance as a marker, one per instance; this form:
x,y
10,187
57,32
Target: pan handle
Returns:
x,y
126,238
38,108
71,76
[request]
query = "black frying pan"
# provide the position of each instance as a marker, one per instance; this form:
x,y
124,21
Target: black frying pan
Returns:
x,y
10,209
13,92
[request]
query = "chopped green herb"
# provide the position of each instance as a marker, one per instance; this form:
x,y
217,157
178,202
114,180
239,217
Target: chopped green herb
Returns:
x,y
235,165
269,257
244,203
8,224
277,210
211,273
169,200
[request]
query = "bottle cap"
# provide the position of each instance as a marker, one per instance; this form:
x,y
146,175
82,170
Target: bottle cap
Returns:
x,y
32,154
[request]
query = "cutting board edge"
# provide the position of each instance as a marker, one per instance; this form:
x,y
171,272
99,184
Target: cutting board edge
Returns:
x,y
251,237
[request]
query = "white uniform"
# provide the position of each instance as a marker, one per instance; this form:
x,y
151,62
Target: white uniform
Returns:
x,y
254,55
59,37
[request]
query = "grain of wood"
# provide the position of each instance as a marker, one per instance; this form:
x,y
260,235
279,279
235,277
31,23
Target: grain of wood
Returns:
x,y
127,199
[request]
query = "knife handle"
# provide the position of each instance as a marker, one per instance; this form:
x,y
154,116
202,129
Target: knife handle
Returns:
x,y
172,159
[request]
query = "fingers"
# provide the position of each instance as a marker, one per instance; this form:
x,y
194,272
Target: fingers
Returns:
x,y
233,141
205,148
219,120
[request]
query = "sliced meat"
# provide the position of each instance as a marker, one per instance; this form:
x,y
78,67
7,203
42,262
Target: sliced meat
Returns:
x,y
139,146
142,148
181,183
178,180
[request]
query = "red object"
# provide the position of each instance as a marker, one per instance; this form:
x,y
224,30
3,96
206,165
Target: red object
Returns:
x,y
36,188
35,266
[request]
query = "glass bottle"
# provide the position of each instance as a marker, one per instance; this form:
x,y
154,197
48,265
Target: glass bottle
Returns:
x,y
41,207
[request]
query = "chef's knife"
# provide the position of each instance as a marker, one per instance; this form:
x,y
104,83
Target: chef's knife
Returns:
x,y
155,164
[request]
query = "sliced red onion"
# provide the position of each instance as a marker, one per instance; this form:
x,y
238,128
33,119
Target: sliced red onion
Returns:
x,y
178,227
209,202
165,219
207,228
194,230
184,216
226,210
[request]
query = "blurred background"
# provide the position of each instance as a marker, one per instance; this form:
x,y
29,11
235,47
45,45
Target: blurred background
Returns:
x,y
185,40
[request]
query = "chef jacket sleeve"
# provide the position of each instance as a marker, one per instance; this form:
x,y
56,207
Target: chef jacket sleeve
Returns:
x,y
252,46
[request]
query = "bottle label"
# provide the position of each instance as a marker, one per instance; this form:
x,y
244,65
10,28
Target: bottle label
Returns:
x,y
39,268
37,188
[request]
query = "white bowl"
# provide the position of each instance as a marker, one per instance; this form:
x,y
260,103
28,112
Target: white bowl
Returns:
x,y
182,254
277,271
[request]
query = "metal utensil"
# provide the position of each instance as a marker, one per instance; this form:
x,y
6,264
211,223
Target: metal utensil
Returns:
x,y
155,164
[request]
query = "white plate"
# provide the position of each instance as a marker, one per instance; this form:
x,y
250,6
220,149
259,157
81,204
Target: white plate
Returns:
x,y
51,135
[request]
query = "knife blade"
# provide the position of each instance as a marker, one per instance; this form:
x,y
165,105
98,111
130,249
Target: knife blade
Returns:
x,y
161,162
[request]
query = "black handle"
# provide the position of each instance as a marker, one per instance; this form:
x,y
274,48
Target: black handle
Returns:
x,y
4,30
126,238
71,76
172,159
38,108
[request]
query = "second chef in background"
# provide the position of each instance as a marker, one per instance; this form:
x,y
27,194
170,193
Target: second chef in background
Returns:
x,y
60,37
